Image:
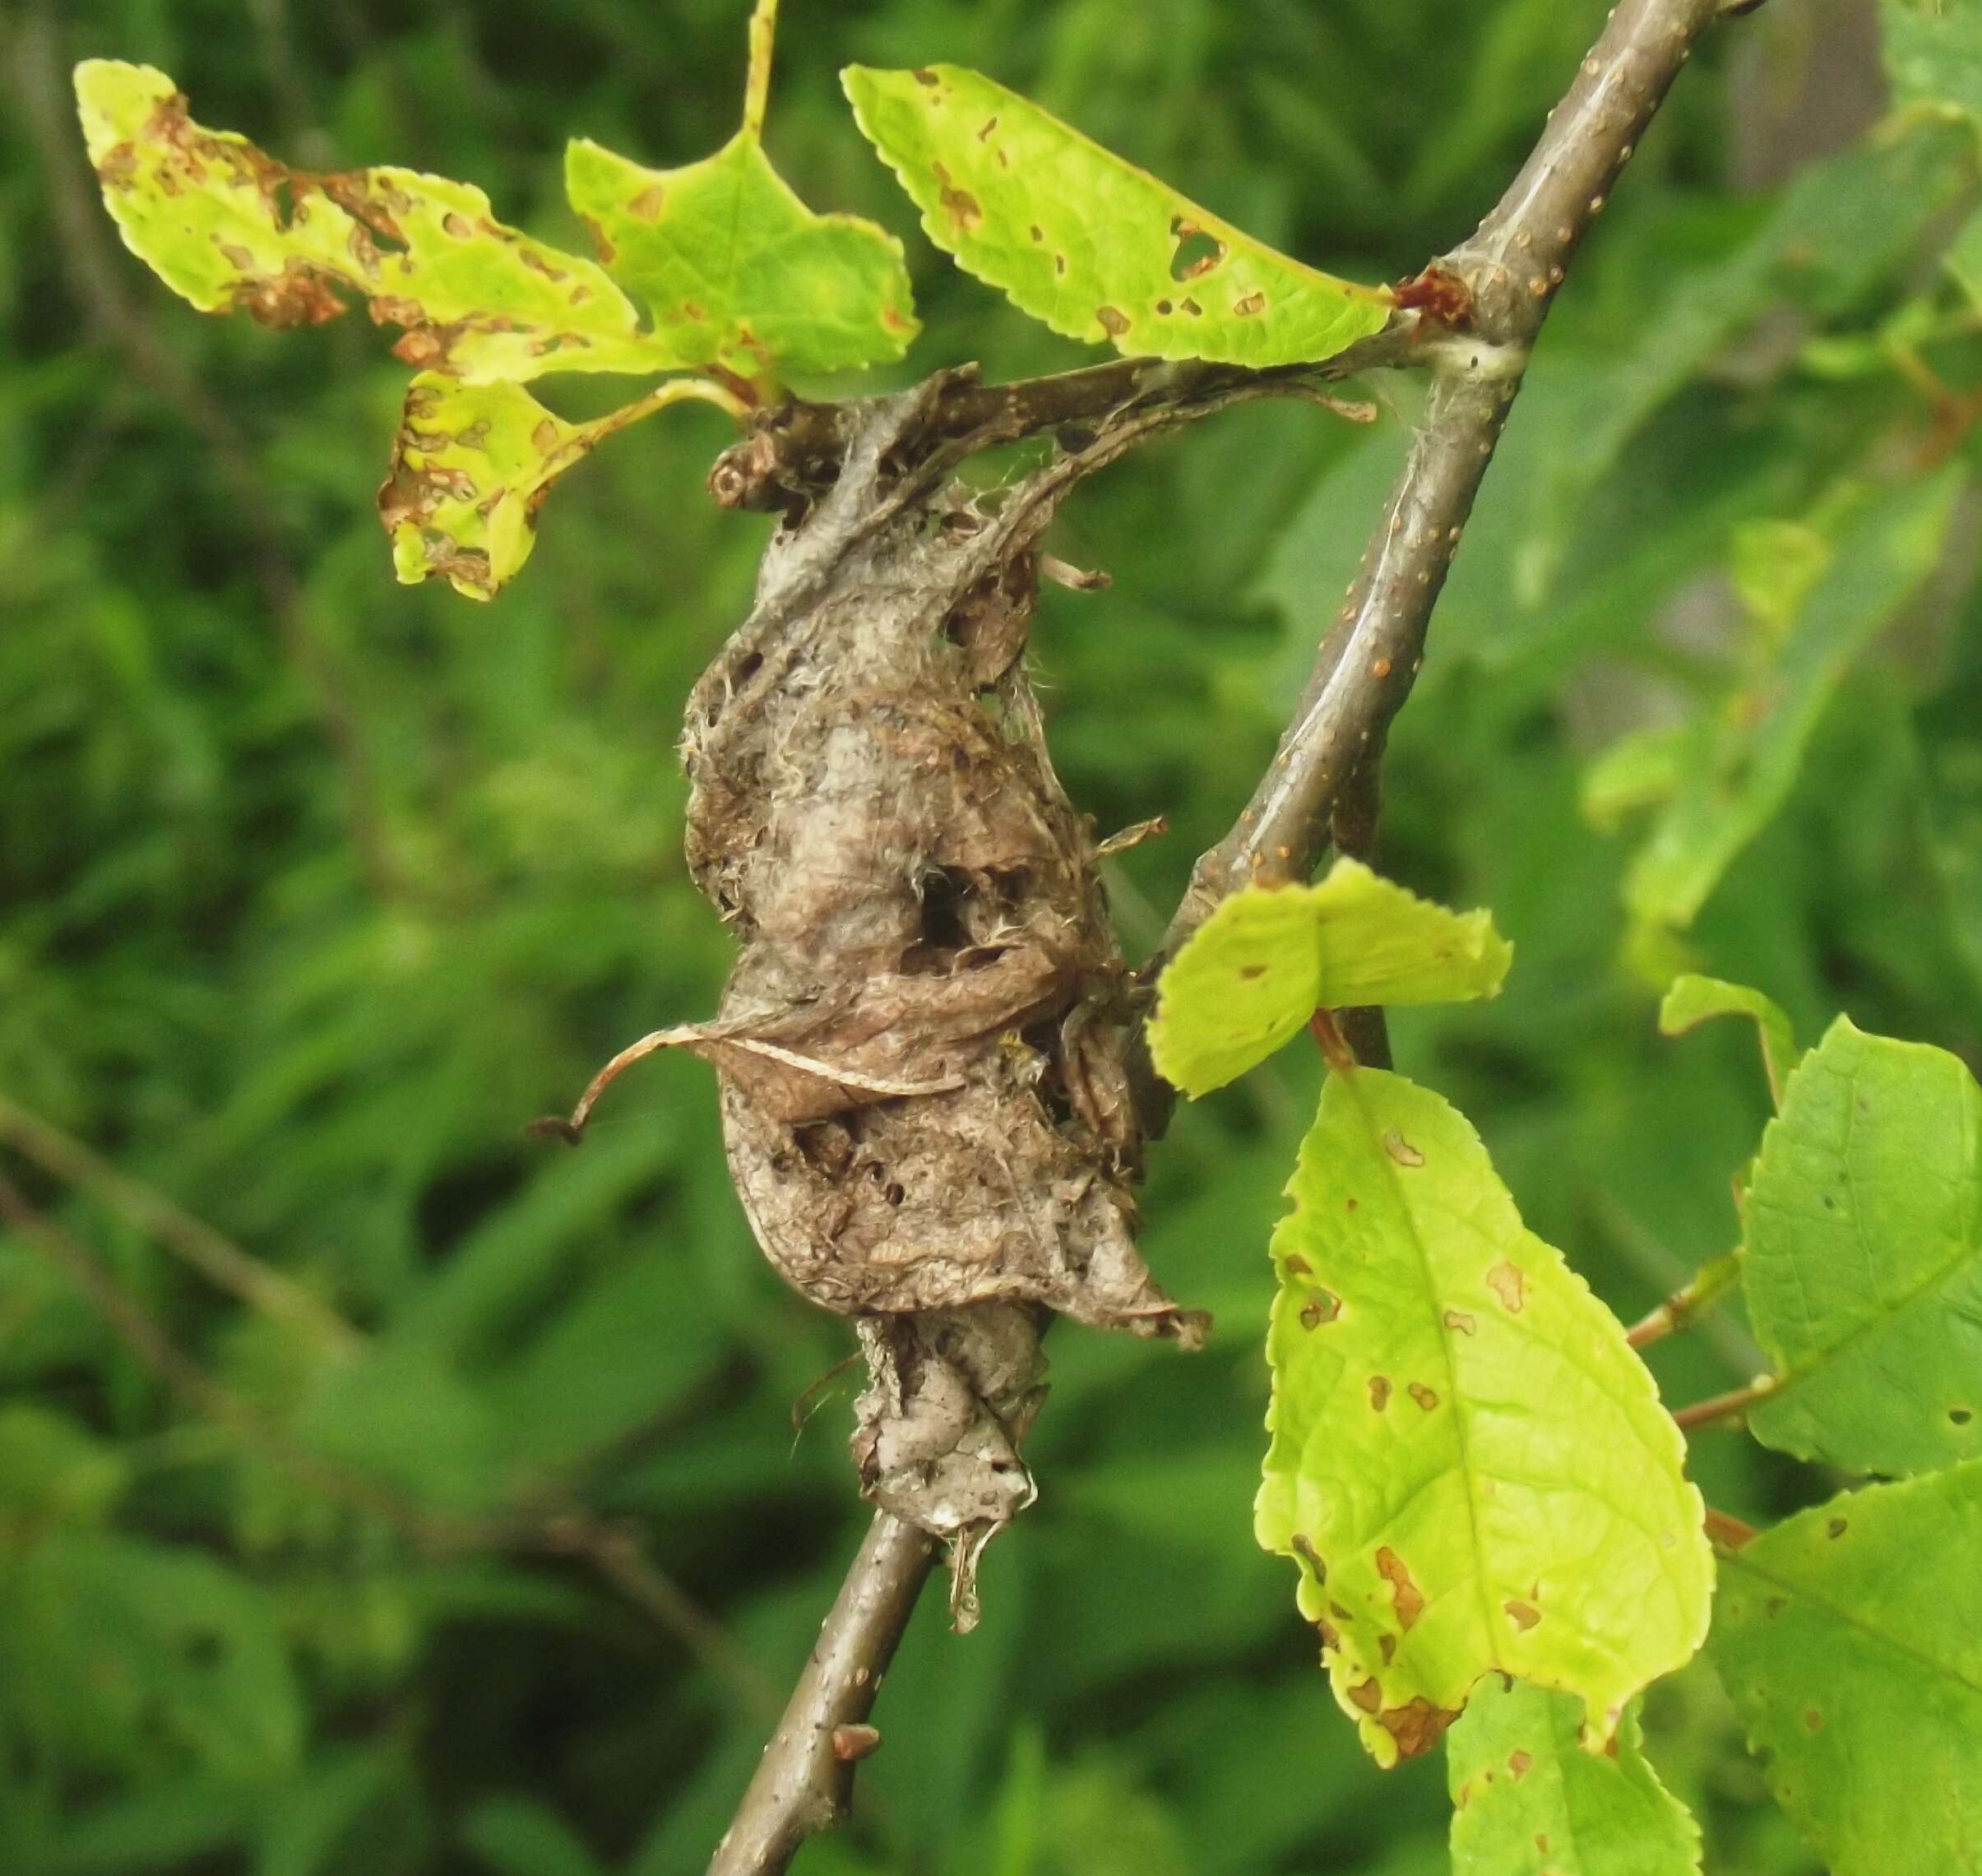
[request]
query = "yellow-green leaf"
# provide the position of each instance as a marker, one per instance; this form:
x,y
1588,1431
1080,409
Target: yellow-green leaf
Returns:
x,y
229,227
1468,1462
1528,1798
1097,248
740,275
1269,957
472,465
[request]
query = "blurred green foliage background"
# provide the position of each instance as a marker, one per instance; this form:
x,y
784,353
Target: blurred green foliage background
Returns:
x,y
460,1526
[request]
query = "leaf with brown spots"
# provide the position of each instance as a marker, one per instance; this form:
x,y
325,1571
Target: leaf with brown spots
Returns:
x,y
1095,247
1260,966
1872,1622
1525,1511
473,464
740,275
230,229
1524,1786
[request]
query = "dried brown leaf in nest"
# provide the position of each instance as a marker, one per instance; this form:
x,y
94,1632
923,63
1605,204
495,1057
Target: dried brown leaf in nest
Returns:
x,y
875,814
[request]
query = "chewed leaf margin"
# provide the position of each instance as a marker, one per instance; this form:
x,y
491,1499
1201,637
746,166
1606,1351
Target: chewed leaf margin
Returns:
x,y
472,465
229,228
1087,243
740,278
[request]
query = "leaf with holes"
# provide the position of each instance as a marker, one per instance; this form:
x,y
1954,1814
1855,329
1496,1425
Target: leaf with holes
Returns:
x,y
1095,247
1849,1640
741,276
471,466
1863,1269
1526,1795
1693,1000
1468,1462
1269,957
230,228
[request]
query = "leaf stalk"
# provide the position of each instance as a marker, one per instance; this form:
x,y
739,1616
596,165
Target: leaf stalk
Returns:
x,y
756,86
1732,1405
1708,1285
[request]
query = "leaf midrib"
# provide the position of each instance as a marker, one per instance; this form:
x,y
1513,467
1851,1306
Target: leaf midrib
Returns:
x,y
1392,1174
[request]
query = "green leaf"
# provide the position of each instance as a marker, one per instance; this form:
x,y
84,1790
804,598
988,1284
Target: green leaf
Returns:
x,y
741,276
1849,1640
1863,1270
1097,248
473,464
229,228
110,1646
54,1471
1963,260
174,1823
1737,766
396,1413
314,1827
1641,770
1269,957
1842,229
514,1835
1528,1797
1694,999
1934,54
1470,1462
1775,564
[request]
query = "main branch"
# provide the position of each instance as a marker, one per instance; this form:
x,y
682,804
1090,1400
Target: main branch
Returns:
x,y
1509,270
1513,266
805,1778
